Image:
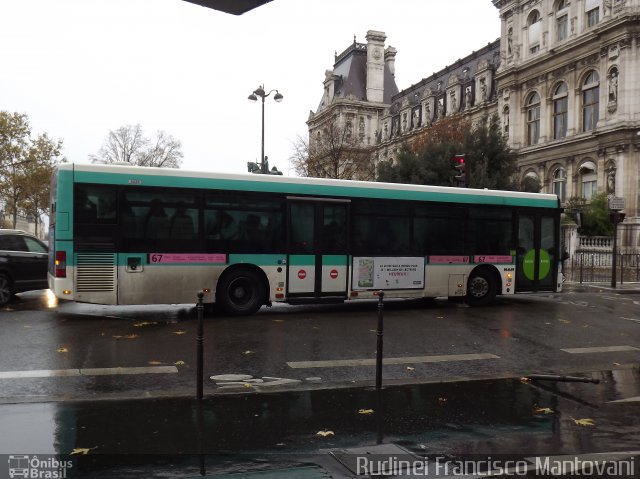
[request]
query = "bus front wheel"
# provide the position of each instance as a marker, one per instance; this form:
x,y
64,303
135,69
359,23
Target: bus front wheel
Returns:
x,y
241,292
481,288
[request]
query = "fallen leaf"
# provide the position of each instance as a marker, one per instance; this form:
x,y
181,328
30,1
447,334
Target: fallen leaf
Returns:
x,y
247,385
409,368
365,411
439,317
616,364
278,320
144,323
584,422
248,352
118,337
442,401
525,380
325,433
179,332
81,451
155,363
62,350
542,410
179,363
565,321
27,326
131,336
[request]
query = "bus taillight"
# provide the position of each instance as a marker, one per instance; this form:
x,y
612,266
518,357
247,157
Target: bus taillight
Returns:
x,y
61,264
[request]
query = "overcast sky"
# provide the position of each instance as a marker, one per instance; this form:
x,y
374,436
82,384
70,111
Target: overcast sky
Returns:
x,y
80,68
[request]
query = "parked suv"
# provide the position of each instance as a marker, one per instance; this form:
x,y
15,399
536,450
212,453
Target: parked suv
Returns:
x,y
23,264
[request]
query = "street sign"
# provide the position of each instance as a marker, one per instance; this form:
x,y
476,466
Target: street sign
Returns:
x,y
616,203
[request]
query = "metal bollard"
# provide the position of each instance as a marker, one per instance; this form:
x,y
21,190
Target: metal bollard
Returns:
x,y
200,345
380,334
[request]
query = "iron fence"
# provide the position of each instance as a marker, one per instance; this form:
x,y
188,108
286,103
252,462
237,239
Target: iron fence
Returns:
x,y
596,266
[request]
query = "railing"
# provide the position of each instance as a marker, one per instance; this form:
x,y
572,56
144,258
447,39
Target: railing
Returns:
x,y
595,243
596,266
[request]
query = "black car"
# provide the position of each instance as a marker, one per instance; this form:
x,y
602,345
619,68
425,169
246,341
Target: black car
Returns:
x,y
23,264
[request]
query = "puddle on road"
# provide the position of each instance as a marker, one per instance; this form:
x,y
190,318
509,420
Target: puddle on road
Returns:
x,y
483,417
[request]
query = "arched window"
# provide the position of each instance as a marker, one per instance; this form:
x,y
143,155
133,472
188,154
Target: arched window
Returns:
x,y
560,108
562,20
588,179
590,100
560,183
533,119
592,11
531,183
534,26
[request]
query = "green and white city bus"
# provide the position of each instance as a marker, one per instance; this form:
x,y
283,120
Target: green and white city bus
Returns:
x,y
134,235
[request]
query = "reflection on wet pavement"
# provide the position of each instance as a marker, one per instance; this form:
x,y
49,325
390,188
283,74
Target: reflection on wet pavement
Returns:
x,y
260,430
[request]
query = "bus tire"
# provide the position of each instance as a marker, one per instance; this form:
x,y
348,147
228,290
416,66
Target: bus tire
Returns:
x,y
241,292
481,287
6,289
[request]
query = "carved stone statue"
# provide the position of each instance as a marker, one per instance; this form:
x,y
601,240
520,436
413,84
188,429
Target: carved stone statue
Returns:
x,y
613,86
454,101
611,182
483,90
440,108
467,97
427,113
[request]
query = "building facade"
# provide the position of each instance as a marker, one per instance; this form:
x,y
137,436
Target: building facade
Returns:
x,y
562,78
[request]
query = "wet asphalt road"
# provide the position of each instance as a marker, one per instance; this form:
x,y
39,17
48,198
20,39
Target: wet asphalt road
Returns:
x,y
423,341
453,388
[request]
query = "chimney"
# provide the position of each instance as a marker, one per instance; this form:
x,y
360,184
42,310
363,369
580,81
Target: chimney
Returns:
x,y
390,59
375,66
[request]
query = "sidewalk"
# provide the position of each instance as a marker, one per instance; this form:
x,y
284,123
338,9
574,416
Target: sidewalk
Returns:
x,y
621,288
327,433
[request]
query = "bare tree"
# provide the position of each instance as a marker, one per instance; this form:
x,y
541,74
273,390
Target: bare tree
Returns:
x,y
333,153
128,144
166,152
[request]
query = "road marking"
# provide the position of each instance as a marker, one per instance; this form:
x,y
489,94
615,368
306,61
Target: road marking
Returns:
x,y
631,319
602,349
633,399
61,373
405,360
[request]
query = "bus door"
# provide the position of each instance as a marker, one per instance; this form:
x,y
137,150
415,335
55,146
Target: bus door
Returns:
x,y
537,252
317,262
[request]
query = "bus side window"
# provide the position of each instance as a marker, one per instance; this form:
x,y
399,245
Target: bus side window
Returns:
x,y
156,223
182,224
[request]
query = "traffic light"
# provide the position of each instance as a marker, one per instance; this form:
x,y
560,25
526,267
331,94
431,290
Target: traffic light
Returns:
x,y
461,178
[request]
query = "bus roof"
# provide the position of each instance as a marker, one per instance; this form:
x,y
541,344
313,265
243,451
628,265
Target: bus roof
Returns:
x,y
321,187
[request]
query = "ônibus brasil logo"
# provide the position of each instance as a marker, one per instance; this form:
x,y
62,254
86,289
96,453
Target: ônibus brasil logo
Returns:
x,y
38,468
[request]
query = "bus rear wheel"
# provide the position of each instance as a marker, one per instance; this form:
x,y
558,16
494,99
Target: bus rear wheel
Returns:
x,y
481,288
241,292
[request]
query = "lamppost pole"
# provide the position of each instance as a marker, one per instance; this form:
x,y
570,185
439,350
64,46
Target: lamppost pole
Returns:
x,y
259,92
263,167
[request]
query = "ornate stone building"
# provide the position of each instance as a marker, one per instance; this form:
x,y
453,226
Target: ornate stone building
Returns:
x,y
357,91
562,77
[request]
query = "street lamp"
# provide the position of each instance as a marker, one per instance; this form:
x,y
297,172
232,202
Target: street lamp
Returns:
x,y
259,92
